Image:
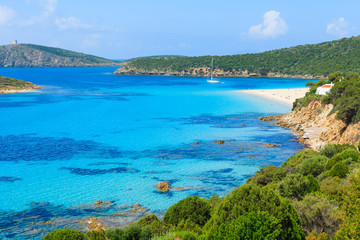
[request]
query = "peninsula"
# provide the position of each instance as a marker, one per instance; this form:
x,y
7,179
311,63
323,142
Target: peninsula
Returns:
x,y
11,85
310,61
30,55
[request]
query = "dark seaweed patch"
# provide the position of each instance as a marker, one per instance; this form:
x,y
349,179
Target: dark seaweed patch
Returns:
x,y
86,171
30,148
9,179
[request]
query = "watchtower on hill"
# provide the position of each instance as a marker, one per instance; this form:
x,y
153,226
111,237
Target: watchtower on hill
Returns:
x,y
14,42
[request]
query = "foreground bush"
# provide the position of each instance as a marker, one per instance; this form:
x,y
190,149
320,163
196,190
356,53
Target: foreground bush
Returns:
x,y
330,150
64,234
252,225
251,198
191,208
131,232
339,170
95,235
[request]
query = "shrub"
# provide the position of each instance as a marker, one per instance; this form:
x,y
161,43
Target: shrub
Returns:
x,y
317,213
339,170
193,208
251,198
95,235
64,234
188,225
314,165
251,225
296,186
131,232
298,158
347,153
267,175
330,150
186,235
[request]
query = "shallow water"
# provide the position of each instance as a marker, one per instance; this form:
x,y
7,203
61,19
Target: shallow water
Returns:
x,y
91,135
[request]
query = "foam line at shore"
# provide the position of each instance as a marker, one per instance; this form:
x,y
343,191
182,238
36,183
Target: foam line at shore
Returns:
x,y
287,96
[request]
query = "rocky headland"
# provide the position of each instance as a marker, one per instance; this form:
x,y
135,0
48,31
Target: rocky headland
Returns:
x,y
11,85
316,126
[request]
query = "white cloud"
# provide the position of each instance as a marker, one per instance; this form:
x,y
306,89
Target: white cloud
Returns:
x,y
272,26
50,7
338,28
70,23
6,14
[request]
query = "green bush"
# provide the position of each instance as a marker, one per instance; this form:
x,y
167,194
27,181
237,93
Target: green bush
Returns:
x,y
252,198
318,213
64,234
251,225
314,165
156,226
186,235
347,153
95,235
131,232
193,208
298,158
267,175
296,186
330,150
188,225
340,170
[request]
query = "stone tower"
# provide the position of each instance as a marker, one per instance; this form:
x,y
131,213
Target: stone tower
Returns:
x,y
14,42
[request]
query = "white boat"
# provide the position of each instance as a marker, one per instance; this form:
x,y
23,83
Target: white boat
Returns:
x,y
212,80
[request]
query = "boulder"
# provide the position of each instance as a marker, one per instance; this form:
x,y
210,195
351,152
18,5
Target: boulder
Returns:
x,y
220,142
163,186
272,145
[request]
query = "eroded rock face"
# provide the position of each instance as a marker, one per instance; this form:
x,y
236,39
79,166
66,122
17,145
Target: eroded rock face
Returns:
x,y
96,225
163,186
316,128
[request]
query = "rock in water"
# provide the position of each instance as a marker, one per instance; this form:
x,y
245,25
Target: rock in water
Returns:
x,y
163,186
272,145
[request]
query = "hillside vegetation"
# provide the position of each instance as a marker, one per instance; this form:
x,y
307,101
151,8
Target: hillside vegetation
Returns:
x,y
311,59
30,55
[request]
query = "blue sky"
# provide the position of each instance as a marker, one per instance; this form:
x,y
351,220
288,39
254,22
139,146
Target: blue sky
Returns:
x,y
124,29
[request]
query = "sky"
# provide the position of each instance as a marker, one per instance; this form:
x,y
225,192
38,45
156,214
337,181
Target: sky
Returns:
x,y
118,29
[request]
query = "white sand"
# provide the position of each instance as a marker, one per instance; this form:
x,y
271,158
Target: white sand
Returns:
x,y
287,96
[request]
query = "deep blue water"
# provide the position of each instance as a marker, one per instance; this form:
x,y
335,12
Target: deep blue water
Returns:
x,y
92,135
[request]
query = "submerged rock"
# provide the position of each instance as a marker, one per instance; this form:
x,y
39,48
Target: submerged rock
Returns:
x,y
163,186
272,145
96,225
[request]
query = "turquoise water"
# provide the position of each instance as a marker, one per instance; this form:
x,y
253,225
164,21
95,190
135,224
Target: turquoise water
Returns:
x,y
91,135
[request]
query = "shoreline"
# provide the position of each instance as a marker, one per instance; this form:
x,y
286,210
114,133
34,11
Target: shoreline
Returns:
x,y
286,96
10,91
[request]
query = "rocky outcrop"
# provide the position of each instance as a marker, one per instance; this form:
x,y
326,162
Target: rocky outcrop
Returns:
x,y
163,186
316,126
272,145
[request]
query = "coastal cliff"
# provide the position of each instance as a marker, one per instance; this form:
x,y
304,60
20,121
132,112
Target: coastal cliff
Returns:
x,y
30,55
316,127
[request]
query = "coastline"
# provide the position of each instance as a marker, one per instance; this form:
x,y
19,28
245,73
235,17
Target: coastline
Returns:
x,y
286,96
10,91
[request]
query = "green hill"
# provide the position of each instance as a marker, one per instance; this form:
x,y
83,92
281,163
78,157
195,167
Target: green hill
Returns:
x,y
11,85
30,55
311,59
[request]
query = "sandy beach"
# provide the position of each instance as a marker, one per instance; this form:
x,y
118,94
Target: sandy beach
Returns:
x,y
287,96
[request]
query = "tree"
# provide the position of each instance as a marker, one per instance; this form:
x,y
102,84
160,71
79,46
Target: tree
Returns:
x,y
251,198
193,208
64,234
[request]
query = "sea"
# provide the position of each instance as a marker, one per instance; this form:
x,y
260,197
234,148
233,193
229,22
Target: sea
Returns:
x,y
91,135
